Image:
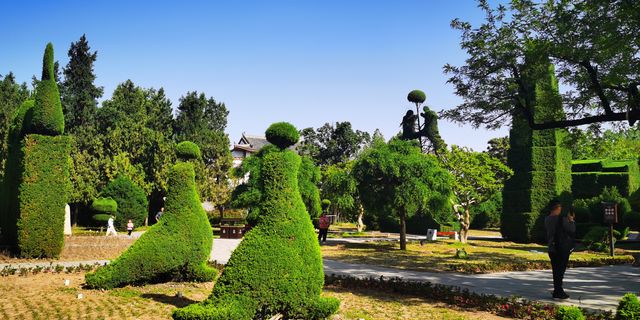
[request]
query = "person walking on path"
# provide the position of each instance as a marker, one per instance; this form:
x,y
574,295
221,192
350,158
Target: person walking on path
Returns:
x,y
159,214
560,239
110,228
129,227
323,227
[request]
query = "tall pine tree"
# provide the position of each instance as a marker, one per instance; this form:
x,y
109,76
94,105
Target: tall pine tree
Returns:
x,y
79,94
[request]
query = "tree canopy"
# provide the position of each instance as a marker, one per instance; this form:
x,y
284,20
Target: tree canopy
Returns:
x,y
332,144
594,45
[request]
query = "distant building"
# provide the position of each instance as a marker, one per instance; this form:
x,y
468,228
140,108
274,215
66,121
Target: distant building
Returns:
x,y
248,145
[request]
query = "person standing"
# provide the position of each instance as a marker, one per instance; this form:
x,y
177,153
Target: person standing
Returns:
x,y
560,241
129,227
110,228
323,226
159,214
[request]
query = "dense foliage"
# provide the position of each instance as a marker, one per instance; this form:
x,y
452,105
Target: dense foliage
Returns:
x,y
176,248
628,308
397,179
284,243
46,116
187,150
131,200
308,180
332,144
282,135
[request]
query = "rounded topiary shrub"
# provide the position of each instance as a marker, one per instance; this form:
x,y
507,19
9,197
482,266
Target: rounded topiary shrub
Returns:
x,y
277,268
175,248
417,96
326,203
131,201
187,150
282,134
104,206
569,313
628,308
47,118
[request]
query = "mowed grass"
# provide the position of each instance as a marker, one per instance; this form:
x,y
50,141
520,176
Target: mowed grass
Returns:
x,y
44,296
483,256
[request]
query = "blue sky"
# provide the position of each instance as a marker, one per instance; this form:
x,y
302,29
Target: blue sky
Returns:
x,y
306,62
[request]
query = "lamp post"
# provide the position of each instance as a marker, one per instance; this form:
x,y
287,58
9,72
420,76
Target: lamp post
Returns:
x,y
610,216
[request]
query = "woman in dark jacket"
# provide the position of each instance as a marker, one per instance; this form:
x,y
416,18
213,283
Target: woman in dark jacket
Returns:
x,y
560,239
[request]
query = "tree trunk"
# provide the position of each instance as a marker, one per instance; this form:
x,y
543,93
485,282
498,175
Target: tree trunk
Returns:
x,y
75,215
360,223
466,222
403,231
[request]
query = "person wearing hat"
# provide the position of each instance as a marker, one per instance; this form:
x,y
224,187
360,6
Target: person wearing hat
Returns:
x,y
560,240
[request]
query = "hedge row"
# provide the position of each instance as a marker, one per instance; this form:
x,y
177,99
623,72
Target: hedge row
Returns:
x,y
592,176
175,248
277,268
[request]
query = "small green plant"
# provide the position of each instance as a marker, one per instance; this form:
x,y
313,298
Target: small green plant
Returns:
x,y
58,268
569,313
628,308
461,254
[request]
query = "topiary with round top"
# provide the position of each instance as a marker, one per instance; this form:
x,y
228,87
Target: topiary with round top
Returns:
x,y
417,96
175,248
282,134
187,150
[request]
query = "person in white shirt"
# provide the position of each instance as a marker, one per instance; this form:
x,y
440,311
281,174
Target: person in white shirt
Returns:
x,y
110,228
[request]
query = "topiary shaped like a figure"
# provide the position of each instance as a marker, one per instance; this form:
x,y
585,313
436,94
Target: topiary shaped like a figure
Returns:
x,y
47,118
277,268
176,248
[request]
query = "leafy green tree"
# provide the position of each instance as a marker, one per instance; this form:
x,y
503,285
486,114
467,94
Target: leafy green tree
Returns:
x,y
341,188
333,144
476,178
308,180
78,92
396,178
12,95
593,143
498,148
592,43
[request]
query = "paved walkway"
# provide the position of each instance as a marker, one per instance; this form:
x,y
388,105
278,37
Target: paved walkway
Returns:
x,y
594,288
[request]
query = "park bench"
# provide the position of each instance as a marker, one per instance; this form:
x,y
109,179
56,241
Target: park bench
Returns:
x,y
450,234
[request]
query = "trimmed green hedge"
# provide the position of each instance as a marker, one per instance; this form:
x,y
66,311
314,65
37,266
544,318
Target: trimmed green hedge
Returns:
x,y
104,206
41,195
282,134
187,150
417,96
541,163
131,201
277,268
175,248
47,118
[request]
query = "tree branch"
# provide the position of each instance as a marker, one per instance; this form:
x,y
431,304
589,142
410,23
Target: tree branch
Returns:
x,y
593,75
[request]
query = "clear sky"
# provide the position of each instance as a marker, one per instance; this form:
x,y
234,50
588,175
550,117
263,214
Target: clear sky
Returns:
x,y
306,62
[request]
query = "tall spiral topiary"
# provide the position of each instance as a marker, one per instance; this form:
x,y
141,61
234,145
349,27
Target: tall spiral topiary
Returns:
x,y
175,248
38,173
277,268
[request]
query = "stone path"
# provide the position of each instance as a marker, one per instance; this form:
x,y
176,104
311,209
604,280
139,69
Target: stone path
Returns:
x,y
594,288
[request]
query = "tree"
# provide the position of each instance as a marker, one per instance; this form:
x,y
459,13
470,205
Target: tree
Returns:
x,y
333,144
476,178
12,95
593,44
79,94
593,143
341,188
397,178
498,148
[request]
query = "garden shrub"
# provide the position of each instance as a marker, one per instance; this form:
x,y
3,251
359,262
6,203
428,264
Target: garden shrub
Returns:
x,y
282,134
188,150
175,248
487,214
569,313
539,159
131,201
38,167
597,238
101,219
591,177
277,268
325,204
104,206
628,308
308,180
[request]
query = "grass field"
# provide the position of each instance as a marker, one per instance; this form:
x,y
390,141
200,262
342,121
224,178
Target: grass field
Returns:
x,y
44,296
78,248
483,256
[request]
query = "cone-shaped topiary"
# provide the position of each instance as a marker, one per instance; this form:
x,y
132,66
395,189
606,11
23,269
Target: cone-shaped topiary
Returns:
x,y
277,268
176,248
47,118
187,150
417,96
282,134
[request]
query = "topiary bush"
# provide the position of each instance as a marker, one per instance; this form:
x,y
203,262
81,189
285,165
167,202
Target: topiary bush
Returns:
x,y
569,313
104,206
282,134
326,203
277,268
175,248
187,150
417,96
628,308
47,118
131,201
